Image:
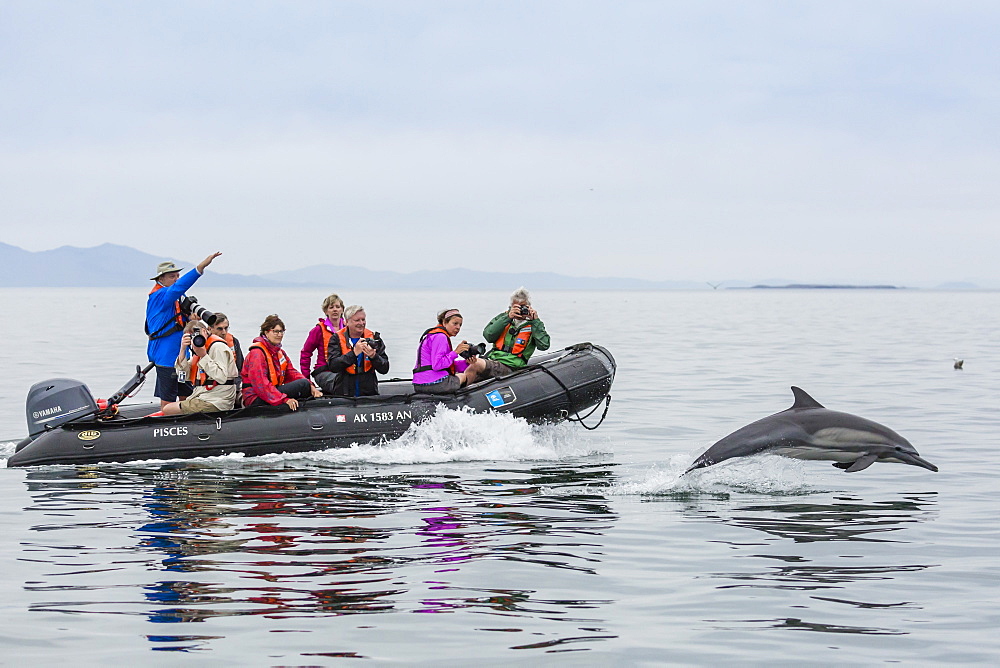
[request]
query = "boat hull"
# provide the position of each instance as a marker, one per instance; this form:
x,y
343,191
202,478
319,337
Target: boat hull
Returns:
x,y
552,388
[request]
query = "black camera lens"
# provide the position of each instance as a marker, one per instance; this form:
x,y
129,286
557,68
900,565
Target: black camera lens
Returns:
x,y
198,340
474,351
525,311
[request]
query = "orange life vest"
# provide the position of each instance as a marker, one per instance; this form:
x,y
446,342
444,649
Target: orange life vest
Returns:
x,y
174,325
276,372
197,374
517,343
327,335
345,347
427,367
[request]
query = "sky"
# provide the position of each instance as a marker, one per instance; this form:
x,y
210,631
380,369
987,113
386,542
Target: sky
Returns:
x,y
814,141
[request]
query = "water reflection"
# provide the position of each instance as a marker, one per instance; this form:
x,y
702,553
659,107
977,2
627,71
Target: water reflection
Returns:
x,y
815,577
813,546
796,624
845,518
284,543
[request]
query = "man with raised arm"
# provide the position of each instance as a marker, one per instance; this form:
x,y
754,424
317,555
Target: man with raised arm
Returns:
x,y
165,320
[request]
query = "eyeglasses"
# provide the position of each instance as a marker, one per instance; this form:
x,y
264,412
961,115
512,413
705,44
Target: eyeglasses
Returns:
x,y
277,331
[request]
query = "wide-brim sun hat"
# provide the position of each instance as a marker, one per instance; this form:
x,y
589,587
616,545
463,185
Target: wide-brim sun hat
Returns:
x,y
165,268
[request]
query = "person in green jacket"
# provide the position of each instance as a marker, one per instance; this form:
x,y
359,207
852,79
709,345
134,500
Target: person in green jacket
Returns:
x,y
514,335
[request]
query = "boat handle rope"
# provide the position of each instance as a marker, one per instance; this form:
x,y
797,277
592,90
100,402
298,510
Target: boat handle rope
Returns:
x,y
607,405
569,397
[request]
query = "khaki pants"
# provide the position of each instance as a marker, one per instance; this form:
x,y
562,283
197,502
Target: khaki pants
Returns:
x,y
196,405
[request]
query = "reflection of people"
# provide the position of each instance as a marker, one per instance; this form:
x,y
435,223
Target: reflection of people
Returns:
x,y
515,335
211,370
165,321
269,375
440,369
353,358
319,337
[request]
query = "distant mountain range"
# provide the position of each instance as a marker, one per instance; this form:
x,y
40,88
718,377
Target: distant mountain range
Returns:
x,y
111,265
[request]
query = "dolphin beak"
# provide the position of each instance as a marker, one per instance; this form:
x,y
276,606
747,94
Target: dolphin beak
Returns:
x,y
915,460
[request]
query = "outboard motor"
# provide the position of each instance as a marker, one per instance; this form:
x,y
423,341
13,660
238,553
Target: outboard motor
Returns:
x,y
55,402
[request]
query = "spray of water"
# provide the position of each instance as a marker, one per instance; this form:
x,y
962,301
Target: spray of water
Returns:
x,y
760,474
462,436
6,450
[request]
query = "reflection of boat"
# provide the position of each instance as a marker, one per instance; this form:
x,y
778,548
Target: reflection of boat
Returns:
x,y
66,425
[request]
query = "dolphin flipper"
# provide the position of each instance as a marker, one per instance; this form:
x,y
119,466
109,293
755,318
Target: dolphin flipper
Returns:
x,y
861,463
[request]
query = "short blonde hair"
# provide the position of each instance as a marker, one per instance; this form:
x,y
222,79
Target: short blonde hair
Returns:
x,y
331,300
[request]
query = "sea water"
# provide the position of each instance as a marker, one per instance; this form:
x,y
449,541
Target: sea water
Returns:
x,y
480,539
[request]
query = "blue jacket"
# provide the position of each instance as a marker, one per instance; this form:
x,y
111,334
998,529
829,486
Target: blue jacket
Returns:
x,y
159,312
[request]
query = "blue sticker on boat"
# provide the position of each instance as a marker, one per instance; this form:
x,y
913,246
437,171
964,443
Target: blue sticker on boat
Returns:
x,y
501,397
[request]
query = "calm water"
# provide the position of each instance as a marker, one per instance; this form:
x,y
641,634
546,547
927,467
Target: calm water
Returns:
x,y
481,539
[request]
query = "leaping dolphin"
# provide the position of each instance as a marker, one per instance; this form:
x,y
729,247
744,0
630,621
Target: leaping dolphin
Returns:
x,y
807,430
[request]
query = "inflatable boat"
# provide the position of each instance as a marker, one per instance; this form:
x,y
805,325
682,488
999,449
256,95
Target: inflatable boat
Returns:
x,y
66,425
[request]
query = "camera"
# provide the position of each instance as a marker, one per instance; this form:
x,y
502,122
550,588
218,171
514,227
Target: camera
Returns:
x,y
374,342
197,338
474,351
524,311
191,307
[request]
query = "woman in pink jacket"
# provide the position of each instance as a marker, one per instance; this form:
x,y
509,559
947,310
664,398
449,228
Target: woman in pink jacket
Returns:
x,y
320,335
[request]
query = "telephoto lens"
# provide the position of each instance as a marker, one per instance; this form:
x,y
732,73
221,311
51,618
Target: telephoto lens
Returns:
x,y
191,307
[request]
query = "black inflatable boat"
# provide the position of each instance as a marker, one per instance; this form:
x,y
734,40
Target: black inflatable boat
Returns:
x,y
67,426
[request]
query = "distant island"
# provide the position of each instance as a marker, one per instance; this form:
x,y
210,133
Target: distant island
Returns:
x,y
821,286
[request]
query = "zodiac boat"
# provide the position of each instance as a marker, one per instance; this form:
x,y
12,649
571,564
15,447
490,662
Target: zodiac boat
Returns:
x,y
67,426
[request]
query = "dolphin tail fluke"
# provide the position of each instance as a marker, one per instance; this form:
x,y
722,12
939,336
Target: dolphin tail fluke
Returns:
x,y
700,463
694,467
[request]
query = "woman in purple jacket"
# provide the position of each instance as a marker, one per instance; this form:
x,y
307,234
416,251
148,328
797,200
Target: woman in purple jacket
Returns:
x,y
439,368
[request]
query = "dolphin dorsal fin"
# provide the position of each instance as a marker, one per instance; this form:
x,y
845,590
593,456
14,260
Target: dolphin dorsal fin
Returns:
x,y
803,400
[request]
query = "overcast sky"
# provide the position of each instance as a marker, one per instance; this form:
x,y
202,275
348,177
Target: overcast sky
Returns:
x,y
814,141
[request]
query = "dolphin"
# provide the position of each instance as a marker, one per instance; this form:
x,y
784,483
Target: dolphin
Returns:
x,y
807,430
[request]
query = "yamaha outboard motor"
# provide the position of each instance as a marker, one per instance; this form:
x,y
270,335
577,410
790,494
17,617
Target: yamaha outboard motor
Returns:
x,y
55,402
